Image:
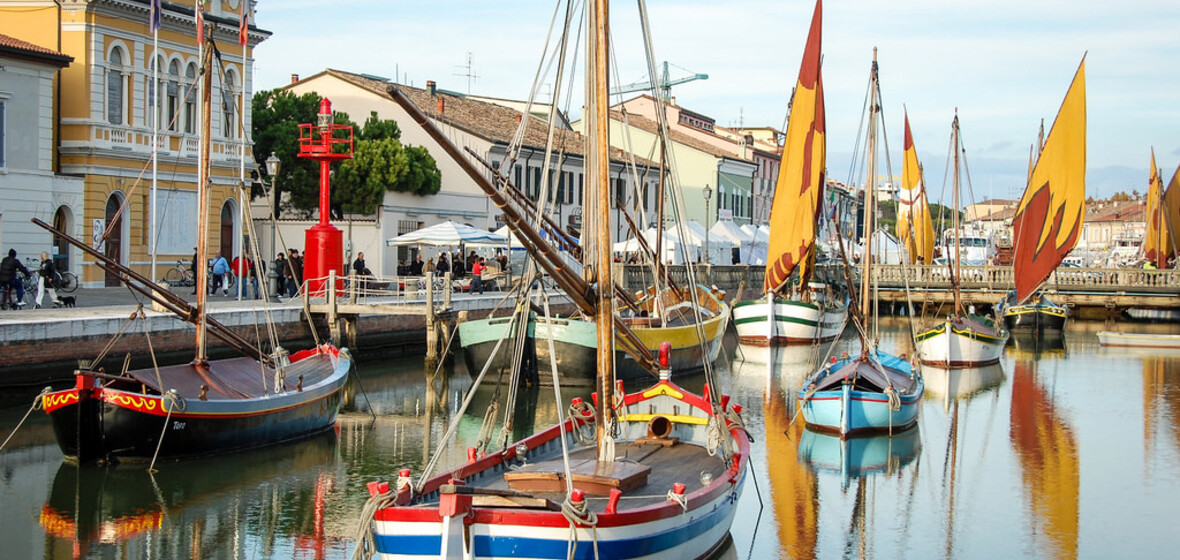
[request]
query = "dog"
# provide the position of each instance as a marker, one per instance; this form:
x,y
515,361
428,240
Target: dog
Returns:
x,y
65,301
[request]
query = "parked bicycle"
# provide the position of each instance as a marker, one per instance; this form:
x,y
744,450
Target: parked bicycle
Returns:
x,y
181,275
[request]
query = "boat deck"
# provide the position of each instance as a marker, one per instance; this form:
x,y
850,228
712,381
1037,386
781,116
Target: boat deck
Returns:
x,y
234,378
681,463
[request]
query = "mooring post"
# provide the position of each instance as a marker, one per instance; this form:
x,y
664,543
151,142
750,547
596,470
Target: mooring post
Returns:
x,y
333,317
447,290
431,324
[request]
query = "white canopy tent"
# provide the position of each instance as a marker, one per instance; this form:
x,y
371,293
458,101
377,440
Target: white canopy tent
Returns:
x,y
671,246
449,234
751,251
720,249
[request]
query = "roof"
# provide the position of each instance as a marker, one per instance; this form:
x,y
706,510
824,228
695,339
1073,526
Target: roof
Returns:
x,y
1117,212
492,122
23,49
648,125
999,215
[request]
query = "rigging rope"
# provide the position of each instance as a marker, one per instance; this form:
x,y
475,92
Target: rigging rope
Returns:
x,y
366,548
38,403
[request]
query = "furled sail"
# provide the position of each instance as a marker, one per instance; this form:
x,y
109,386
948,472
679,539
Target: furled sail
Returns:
x,y
1049,218
1157,244
914,227
799,190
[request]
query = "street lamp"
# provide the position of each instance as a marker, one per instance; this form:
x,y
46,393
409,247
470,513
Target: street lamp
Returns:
x,y
708,193
273,165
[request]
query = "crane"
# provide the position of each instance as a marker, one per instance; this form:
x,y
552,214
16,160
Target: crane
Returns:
x,y
665,85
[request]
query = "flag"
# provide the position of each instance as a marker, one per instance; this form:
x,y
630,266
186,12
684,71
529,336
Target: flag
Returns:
x,y
156,17
200,10
244,26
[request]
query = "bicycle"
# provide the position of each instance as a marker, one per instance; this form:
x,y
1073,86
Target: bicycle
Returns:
x,y
181,275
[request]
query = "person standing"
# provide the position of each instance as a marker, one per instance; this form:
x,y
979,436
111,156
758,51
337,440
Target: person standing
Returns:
x,y
358,266
443,266
220,267
192,267
280,265
243,266
48,275
476,270
9,279
294,272
416,266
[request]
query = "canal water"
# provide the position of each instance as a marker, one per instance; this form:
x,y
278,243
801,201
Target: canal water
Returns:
x,y
1063,450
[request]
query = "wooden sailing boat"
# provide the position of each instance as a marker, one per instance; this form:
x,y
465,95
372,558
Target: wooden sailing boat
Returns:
x,y
678,458
802,311
1048,220
205,407
961,339
874,391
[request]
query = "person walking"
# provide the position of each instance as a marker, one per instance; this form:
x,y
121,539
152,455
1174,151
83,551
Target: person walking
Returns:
x,y
220,267
48,275
10,280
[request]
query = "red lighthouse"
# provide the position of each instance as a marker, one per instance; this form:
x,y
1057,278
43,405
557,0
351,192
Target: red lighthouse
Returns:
x,y
324,142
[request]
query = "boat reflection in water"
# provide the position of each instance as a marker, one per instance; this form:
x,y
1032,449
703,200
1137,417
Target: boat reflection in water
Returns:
x,y
1047,451
126,512
1161,401
859,457
950,385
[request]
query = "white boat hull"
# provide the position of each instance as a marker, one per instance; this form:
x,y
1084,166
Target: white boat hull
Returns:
x,y
1139,340
950,345
795,322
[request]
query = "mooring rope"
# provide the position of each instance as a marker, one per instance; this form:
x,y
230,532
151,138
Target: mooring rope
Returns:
x,y
578,513
366,548
171,397
37,404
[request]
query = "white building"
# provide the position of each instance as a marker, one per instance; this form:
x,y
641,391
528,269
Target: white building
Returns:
x,y
29,188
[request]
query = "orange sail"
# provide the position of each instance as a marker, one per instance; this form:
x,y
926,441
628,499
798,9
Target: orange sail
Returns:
x,y
914,227
1157,244
1048,220
1172,208
799,191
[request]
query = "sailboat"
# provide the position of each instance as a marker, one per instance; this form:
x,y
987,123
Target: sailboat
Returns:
x,y
659,478
1048,221
205,407
874,391
961,339
799,311
914,226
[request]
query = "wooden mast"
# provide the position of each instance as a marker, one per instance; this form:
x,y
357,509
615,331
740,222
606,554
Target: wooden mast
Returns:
x,y
866,264
599,154
202,357
957,265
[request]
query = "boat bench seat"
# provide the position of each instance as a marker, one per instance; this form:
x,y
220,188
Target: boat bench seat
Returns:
x,y
589,476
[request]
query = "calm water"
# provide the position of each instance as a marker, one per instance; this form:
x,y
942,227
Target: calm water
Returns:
x,y
1068,450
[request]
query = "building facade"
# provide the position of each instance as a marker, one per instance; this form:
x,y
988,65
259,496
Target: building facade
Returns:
x,y
29,188
119,94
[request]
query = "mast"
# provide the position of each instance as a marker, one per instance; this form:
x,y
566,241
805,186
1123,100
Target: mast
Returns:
x,y
202,357
957,265
597,128
866,261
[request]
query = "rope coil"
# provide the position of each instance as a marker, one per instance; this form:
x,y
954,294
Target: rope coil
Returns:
x,y
582,410
579,514
678,498
366,548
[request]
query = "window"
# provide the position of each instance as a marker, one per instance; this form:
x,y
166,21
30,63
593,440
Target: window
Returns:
x,y
3,162
517,183
155,94
536,192
116,87
228,114
190,98
173,94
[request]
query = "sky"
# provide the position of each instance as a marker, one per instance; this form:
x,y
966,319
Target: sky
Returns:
x,y
1005,65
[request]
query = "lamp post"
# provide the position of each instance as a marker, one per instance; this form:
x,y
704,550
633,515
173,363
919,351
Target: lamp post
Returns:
x,y
708,193
273,165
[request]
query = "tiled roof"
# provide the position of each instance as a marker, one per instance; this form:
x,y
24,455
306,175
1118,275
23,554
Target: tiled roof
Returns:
x,y
648,125
1122,212
12,45
489,121
999,215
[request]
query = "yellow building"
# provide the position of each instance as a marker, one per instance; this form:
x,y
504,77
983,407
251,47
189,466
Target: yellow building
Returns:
x,y
107,106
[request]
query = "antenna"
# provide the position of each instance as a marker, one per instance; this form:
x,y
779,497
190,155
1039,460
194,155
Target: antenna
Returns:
x,y
468,71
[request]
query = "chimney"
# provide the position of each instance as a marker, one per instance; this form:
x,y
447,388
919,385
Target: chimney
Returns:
x,y
442,105
431,88
294,78
518,116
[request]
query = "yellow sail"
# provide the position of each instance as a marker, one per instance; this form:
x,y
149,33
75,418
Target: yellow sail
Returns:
x,y
1172,208
1157,244
799,190
914,227
1049,217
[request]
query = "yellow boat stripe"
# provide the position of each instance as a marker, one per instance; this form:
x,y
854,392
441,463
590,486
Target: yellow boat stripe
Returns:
x,y
663,390
677,418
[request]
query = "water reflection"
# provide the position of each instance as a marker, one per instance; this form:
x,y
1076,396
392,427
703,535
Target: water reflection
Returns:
x,y
949,385
195,509
858,457
1161,402
1047,450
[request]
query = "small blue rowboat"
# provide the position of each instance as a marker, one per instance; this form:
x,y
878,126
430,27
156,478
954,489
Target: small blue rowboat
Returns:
x,y
870,393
